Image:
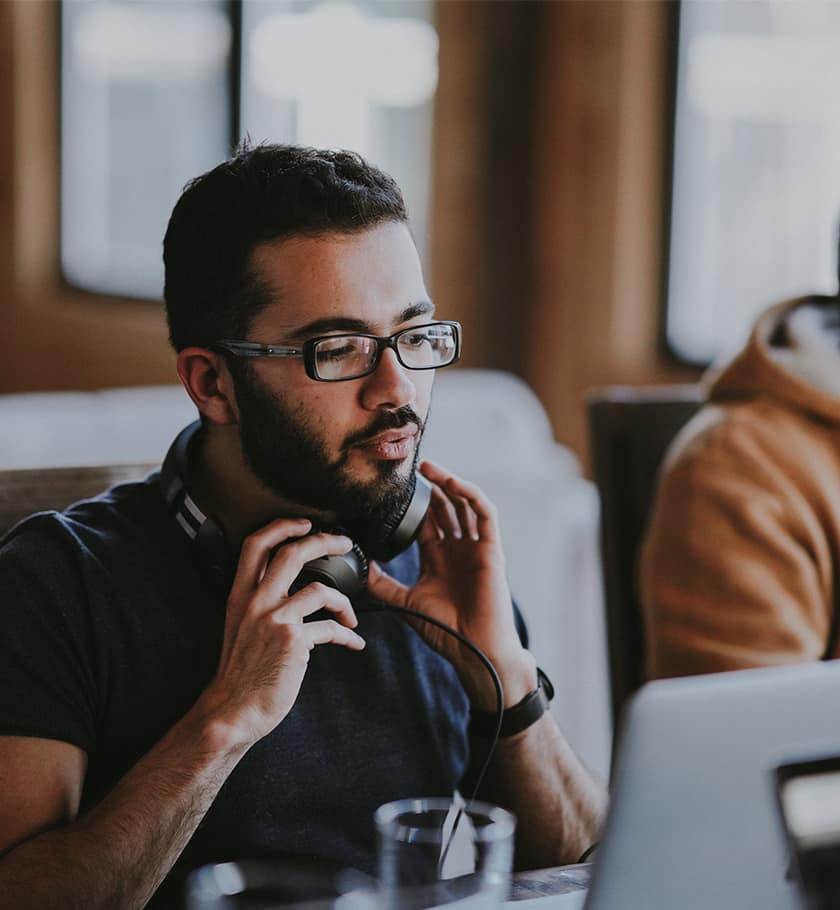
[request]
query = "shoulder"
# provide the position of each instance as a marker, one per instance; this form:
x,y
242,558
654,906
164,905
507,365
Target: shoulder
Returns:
x,y
753,463
757,438
91,526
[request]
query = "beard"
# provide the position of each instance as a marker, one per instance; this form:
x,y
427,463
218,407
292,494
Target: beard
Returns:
x,y
287,455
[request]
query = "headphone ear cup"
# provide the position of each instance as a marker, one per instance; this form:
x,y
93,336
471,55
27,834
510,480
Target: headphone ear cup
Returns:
x,y
407,524
347,573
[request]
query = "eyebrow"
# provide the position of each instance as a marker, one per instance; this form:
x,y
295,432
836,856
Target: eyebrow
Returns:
x,y
349,324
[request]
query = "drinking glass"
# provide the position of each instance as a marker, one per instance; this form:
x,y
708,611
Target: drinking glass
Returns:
x,y
435,852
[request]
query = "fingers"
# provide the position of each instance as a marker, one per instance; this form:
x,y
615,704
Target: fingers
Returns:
x,y
256,551
311,599
260,614
460,509
272,593
287,561
271,559
328,631
446,516
467,517
454,515
314,597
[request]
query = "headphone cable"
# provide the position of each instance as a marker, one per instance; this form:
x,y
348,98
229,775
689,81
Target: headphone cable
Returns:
x,y
378,606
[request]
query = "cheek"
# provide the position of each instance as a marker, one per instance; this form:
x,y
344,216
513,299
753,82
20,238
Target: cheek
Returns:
x,y
328,415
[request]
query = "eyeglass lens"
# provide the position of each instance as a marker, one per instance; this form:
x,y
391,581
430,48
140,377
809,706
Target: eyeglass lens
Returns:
x,y
347,356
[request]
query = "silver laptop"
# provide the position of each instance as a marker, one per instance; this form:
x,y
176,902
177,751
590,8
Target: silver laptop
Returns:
x,y
693,822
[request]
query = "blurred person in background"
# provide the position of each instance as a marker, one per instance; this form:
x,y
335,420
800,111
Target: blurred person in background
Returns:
x,y
739,567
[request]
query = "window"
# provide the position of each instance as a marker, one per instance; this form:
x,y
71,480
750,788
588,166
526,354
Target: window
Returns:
x,y
145,105
154,93
756,186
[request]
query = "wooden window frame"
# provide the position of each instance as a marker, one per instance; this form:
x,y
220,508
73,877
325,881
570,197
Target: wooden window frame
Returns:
x,y
55,336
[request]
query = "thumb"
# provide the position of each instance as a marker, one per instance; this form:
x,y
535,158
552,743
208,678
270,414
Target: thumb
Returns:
x,y
385,588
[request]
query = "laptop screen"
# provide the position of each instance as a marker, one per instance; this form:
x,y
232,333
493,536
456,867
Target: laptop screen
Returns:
x,y
693,821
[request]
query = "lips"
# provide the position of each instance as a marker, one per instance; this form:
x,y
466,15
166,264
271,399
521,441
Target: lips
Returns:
x,y
390,445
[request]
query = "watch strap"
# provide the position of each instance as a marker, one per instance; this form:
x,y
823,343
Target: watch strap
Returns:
x,y
518,717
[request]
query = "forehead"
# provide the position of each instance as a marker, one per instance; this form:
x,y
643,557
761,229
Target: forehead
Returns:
x,y
372,276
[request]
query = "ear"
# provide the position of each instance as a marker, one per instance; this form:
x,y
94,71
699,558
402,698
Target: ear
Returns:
x,y
208,382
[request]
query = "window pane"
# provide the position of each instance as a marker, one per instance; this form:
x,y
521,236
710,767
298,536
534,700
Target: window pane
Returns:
x,y
756,193
145,106
356,75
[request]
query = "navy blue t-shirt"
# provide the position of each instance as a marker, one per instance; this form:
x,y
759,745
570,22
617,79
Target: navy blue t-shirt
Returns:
x,y
110,633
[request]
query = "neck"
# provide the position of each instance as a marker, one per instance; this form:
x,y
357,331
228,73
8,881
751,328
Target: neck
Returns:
x,y
222,484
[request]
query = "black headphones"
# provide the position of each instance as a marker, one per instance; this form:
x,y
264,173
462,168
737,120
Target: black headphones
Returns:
x,y
348,573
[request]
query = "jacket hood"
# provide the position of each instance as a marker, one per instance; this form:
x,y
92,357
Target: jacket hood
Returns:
x,y
792,356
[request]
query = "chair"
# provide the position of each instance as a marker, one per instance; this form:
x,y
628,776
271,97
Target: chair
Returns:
x,y
630,430
27,490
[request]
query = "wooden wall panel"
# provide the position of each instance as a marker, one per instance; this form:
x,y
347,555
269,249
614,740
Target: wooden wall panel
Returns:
x,y
554,257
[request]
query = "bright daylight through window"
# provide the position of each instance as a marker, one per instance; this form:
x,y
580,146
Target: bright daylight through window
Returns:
x,y
756,186
157,91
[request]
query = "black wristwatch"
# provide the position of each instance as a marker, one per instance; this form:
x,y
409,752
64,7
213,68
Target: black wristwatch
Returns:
x,y
520,716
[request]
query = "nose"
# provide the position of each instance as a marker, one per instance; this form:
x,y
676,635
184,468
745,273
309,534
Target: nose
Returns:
x,y
389,386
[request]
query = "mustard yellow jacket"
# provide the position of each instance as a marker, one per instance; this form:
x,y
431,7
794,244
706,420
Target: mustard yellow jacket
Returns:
x,y
740,562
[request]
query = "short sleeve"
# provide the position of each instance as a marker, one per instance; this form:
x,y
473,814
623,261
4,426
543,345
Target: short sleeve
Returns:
x,y
47,686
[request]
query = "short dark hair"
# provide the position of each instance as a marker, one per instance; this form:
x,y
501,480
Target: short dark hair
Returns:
x,y
263,193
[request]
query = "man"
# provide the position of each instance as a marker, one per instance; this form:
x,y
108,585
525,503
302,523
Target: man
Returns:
x,y
170,692
739,567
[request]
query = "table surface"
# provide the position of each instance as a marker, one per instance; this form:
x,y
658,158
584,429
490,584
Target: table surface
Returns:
x,y
556,880
524,886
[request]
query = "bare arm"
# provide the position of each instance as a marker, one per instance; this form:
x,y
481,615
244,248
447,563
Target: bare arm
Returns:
x,y
117,854
537,775
462,583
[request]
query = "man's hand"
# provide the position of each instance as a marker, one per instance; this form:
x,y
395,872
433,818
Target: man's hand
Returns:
x,y
463,584
266,642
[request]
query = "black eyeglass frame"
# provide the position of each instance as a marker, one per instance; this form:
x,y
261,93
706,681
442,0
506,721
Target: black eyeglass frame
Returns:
x,y
308,348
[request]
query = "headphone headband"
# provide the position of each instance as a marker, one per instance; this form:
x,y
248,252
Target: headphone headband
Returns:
x,y
174,466
205,531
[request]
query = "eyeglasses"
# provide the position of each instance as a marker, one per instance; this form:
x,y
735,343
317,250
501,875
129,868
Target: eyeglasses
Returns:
x,y
335,358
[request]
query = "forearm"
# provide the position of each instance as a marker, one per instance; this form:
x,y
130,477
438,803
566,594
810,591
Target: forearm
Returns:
x,y
118,853
559,804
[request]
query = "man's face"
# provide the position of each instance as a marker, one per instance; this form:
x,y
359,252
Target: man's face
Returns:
x,y
348,447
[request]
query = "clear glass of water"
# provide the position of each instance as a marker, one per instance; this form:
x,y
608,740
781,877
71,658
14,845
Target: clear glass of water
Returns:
x,y
434,852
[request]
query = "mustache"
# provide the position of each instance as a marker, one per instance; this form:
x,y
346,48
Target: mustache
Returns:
x,y
387,420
